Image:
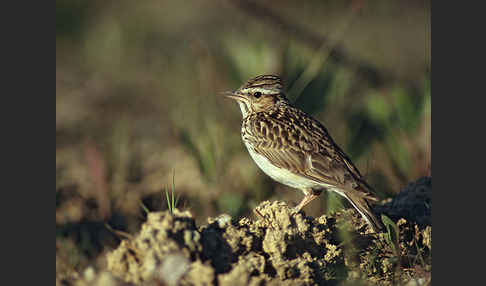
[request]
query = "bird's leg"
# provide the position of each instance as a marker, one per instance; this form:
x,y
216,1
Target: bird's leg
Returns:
x,y
309,195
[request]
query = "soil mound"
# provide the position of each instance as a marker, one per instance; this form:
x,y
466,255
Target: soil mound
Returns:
x,y
279,247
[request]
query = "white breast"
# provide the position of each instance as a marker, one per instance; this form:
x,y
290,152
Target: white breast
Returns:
x,y
280,175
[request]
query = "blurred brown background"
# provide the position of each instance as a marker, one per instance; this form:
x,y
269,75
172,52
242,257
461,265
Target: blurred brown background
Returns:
x,y
137,103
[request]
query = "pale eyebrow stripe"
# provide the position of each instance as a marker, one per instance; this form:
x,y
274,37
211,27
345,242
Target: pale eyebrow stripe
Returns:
x,y
262,90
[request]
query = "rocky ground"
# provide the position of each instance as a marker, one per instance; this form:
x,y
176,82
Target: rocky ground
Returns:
x,y
275,247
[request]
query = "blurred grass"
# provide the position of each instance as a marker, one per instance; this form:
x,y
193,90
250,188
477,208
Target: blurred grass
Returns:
x,y
136,98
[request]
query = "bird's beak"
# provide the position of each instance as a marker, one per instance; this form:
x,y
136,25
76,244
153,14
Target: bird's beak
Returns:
x,y
233,95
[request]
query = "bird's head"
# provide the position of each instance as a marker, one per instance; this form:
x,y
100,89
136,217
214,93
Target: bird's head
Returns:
x,y
261,93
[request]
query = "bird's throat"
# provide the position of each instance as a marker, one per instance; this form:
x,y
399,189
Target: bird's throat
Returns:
x,y
244,108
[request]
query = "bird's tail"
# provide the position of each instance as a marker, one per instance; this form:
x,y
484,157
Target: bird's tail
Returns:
x,y
360,203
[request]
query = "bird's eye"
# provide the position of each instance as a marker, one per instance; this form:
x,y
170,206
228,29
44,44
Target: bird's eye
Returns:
x,y
257,94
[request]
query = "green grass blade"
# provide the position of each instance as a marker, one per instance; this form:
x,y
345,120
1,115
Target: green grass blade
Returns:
x,y
144,207
392,232
173,190
168,200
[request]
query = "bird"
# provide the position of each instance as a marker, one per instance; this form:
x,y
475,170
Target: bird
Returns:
x,y
296,150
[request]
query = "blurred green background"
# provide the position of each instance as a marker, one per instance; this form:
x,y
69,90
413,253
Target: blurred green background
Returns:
x,y
137,103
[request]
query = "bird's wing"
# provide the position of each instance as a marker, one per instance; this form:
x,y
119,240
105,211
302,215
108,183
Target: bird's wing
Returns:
x,y
300,144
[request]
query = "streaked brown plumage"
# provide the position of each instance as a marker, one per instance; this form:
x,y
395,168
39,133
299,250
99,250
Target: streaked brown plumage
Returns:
x,y
295,149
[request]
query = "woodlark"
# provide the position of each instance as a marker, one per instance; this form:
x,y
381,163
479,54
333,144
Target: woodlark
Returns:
x,y
295,149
